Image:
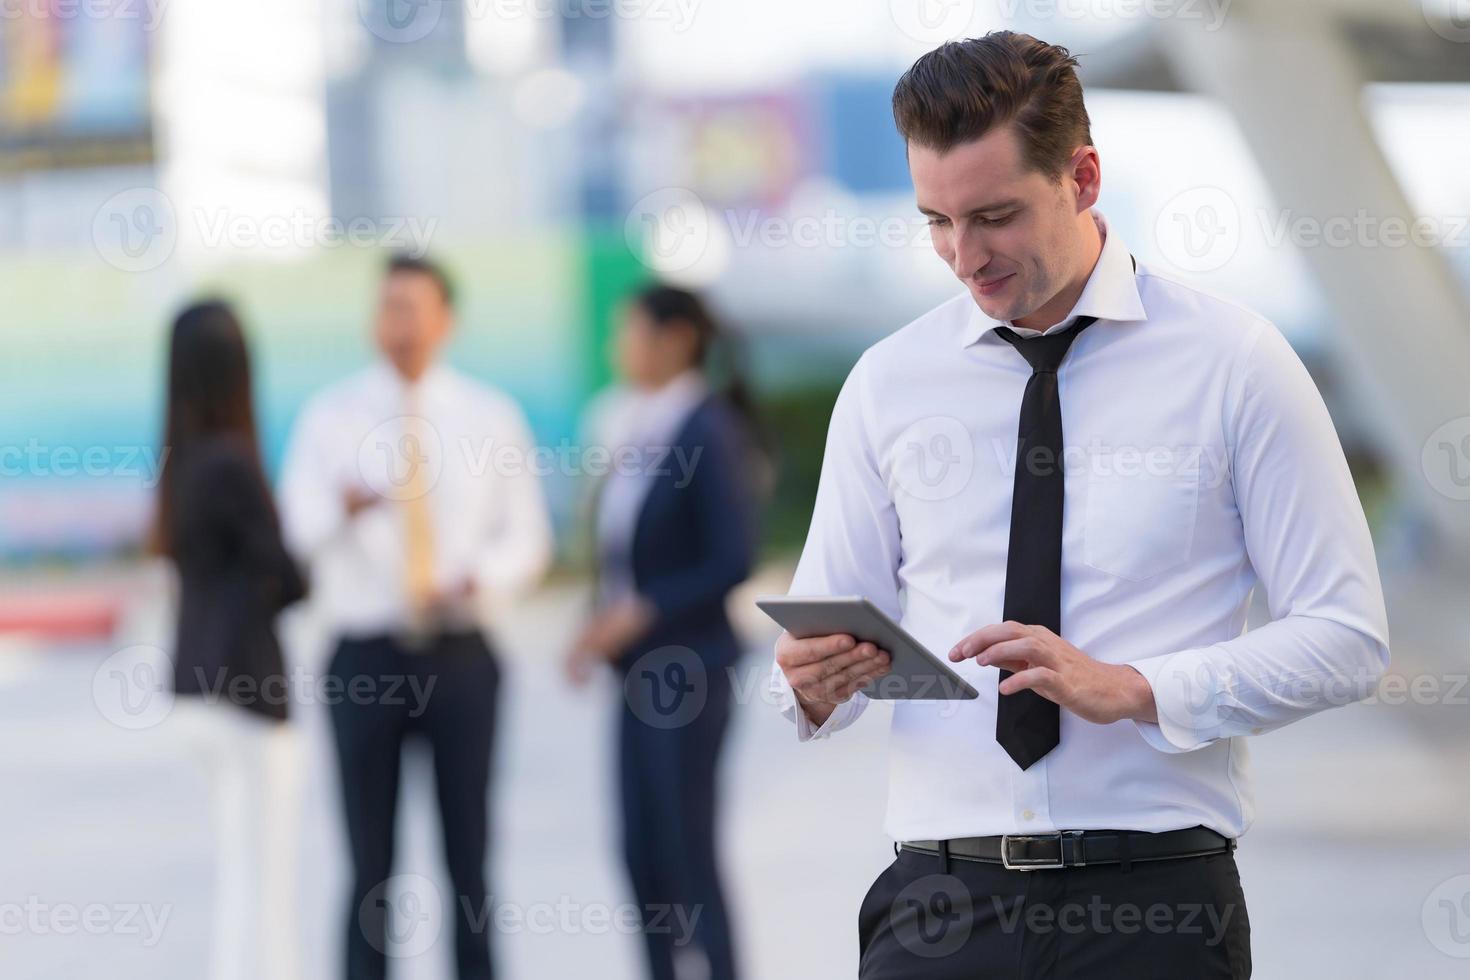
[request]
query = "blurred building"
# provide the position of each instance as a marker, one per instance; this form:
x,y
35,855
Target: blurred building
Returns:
x,y
555,154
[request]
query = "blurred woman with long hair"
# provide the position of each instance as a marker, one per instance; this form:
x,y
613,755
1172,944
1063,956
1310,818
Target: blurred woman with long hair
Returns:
x,y
217,524
675,534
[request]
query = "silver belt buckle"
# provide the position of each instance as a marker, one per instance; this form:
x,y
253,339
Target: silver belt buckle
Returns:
x,y
1024,864
416,636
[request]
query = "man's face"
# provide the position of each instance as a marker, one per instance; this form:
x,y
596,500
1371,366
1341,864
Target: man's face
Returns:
x,y
413,322
1010,234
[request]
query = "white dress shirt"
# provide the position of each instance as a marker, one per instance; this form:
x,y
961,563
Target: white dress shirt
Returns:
x,y
489,519
646,424
1199,462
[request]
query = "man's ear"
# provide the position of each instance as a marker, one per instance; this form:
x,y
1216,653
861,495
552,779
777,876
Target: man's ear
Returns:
x,y
1085,171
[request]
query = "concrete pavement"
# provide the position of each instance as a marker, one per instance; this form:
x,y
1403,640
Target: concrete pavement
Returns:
x,y
1350,870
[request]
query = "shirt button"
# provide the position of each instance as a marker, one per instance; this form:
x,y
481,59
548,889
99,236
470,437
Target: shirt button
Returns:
x,y
1257,731
1028,815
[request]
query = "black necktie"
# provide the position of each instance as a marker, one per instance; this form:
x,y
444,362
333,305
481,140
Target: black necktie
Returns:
x,y
1027,725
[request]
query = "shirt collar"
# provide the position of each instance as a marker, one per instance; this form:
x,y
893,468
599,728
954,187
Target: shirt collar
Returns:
x,y
1111,293
660,413
388,379
684,389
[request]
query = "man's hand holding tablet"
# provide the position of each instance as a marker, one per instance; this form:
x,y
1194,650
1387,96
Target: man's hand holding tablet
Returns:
x,y
825,671
835,646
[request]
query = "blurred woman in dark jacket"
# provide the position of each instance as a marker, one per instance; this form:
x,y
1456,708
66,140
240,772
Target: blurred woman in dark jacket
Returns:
x,y
217,521
217,524
675,534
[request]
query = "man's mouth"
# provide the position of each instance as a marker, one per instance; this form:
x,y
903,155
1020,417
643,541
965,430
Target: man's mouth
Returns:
x,y
994,285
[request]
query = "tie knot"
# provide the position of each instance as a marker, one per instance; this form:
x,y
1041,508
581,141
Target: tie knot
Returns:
x,y
1045,353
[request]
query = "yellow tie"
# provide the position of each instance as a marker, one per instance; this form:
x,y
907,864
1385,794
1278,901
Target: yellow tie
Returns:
x,y
418,525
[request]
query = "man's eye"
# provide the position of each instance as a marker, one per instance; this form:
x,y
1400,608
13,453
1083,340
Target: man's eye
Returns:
x,y
936,220
993,222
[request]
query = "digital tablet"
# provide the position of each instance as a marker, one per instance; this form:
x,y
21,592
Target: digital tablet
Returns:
x,y
915,673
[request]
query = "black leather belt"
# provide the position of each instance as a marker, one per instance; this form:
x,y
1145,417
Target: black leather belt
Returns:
x,y
1076,848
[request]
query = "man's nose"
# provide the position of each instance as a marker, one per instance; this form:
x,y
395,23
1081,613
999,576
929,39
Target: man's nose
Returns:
x,y
970,254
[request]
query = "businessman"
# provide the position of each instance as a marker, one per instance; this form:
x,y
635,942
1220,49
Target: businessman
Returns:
x,y
410,541
1069,478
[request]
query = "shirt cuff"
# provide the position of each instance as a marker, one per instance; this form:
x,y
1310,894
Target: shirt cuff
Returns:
x,y
838,719
790,706
1188,690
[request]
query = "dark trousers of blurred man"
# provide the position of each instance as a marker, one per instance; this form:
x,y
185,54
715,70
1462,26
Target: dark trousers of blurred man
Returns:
x,y
449,698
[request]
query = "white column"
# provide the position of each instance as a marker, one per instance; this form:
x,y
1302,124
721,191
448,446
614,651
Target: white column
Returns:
x,y
1289,77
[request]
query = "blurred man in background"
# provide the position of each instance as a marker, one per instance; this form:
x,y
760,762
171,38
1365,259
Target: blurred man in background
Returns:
x,y
408,487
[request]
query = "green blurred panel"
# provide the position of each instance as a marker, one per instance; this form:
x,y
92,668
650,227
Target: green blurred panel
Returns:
x,y
610,272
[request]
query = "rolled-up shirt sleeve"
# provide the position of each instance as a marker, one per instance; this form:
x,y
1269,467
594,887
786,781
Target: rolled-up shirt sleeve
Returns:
x,y
1308,541
852,545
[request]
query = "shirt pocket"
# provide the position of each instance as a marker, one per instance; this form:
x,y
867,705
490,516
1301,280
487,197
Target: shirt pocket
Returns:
x,y
1141,511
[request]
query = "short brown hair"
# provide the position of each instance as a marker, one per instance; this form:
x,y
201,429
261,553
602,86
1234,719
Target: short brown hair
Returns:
x,y
960,90
403,263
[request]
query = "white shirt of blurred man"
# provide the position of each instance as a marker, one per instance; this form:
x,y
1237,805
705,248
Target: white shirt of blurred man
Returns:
x,y
411,487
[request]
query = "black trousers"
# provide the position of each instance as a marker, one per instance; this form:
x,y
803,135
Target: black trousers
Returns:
x,y
392,699
1179,919
675,715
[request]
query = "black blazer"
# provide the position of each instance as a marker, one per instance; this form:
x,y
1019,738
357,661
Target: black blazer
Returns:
x,y
234,577
695,541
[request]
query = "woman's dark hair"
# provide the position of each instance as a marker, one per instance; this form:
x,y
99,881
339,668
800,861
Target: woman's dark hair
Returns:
x,y
716,351
208,397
